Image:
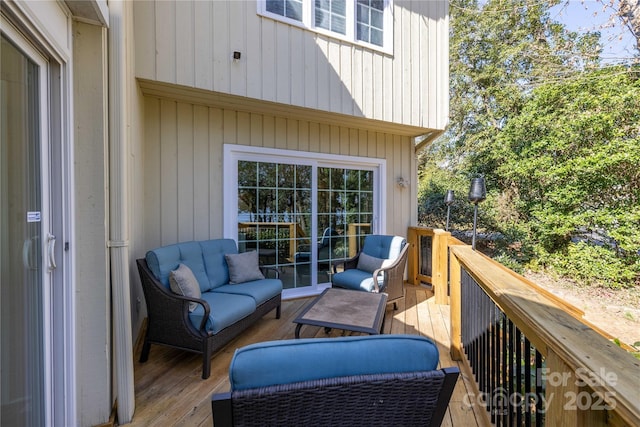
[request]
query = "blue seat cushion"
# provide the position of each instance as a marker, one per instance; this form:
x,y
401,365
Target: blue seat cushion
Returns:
x,y
355,279
290,361
226,309
260,290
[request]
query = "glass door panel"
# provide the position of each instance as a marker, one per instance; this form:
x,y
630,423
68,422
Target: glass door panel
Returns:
x,y
345,212
274,216
22,344
297,227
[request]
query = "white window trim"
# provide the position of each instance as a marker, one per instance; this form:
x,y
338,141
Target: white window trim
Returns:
x,y
232,153
308,23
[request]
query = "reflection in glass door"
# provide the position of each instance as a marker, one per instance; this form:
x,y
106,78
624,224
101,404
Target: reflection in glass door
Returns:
x,y
22,387
301,218
274,213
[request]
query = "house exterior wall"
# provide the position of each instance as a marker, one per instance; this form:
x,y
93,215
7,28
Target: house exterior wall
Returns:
x,y
183,163
329,97
93,295
292,89
191,43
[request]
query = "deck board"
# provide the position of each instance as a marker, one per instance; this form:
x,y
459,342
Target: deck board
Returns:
x,y
169,389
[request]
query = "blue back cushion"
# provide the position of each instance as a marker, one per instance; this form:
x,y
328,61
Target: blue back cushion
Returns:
x,y
213,252
205,259
290,361
382,246
162,261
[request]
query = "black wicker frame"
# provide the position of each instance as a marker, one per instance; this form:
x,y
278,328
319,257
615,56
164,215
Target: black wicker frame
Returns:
x,y
168,321
400,399
393,275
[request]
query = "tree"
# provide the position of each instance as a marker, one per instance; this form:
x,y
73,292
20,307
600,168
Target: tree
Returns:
x,y
555,135
498,53
573,158
629,13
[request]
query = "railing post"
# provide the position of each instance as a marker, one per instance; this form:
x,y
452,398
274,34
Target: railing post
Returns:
x,y
568,401
439,275
455,308
412,263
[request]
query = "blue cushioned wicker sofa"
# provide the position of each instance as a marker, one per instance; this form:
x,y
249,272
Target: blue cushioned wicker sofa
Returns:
x,y
218,293
376,380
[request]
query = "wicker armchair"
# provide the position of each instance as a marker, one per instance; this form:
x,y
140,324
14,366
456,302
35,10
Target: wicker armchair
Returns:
x,y
378,267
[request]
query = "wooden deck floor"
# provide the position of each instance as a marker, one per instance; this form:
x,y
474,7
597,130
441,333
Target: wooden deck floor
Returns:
x,y
170,392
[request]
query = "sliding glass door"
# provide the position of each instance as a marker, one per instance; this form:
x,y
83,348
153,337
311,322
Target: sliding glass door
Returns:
x,y
301,215
25,278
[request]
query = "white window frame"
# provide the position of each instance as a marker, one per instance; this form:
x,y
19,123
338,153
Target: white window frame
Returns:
x,y
308,23
233,153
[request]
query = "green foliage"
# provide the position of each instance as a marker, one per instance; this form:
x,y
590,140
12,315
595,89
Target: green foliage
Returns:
x,y
514,249
556,137
499,50
572,156
593,265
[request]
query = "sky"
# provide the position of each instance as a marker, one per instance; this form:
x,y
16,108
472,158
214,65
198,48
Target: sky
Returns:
x,y
591,15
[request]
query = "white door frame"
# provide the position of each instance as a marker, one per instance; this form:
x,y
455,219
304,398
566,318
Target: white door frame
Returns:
x,y
57,177
232,153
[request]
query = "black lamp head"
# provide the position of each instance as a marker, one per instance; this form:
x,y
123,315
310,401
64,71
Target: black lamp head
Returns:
x,y
477,191
448,199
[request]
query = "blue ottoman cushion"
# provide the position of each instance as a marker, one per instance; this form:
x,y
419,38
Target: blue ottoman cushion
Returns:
x,y
291,361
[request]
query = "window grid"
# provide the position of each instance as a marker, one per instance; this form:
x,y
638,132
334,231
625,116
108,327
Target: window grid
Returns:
x,y
361,22
331,15
370,21
275,216
291,9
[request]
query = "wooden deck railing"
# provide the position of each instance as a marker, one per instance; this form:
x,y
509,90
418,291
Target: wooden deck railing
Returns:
x,y
535,360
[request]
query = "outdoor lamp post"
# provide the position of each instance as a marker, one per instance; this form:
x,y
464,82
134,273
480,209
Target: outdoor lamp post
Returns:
x,y
448,200
477,193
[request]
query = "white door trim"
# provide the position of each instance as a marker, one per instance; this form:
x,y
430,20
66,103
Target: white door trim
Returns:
x,y
58,284
233,152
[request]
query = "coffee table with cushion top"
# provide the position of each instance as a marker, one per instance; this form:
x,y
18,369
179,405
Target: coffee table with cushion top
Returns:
x,y
345,309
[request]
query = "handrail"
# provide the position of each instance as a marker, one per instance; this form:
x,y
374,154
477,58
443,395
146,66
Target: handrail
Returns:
x,y
295,231
577,366
592,370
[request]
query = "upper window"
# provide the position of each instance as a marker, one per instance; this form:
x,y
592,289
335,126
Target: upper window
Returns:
x,y
370,21
291,9
331,15
366,22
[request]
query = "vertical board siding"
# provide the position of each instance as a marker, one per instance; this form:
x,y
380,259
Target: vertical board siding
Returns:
x,y
221,53
185,45
169,173
201,180
202,45
165,40
183,163
191,43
